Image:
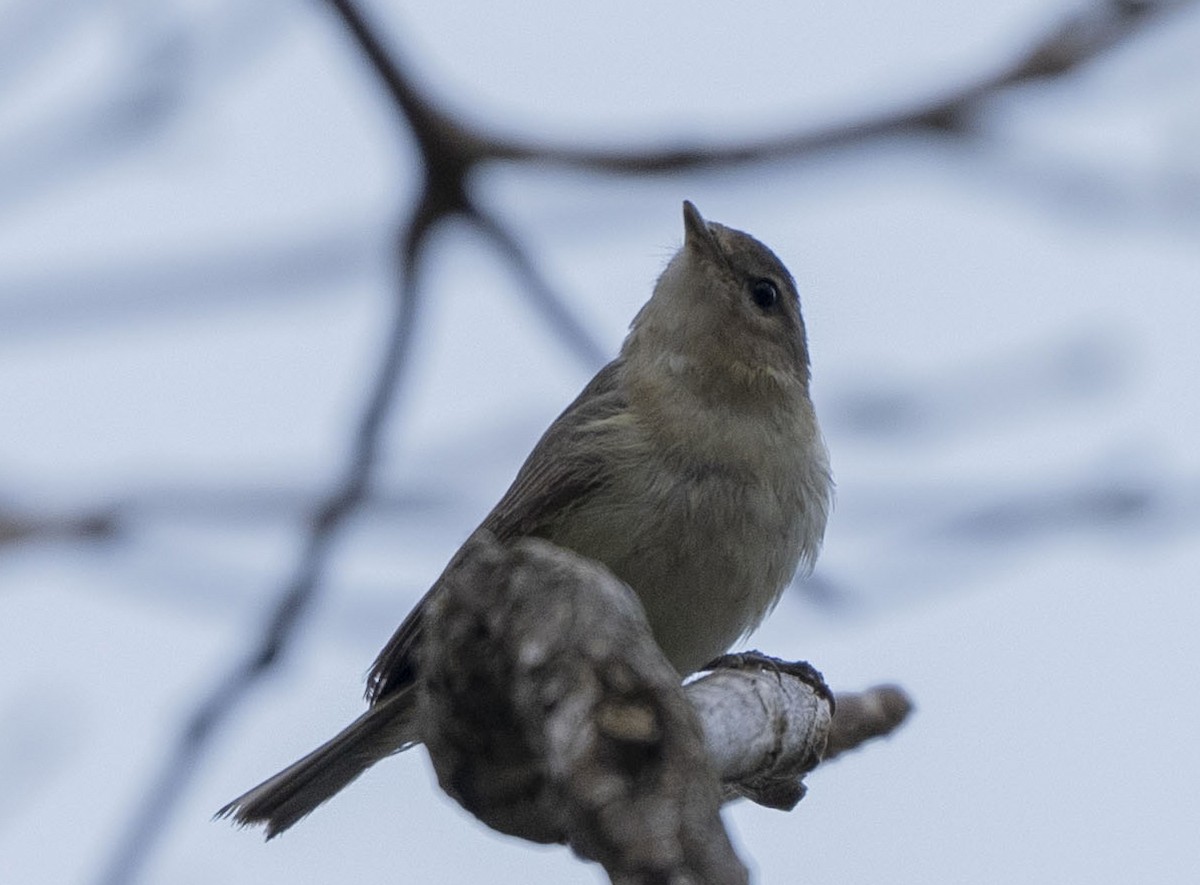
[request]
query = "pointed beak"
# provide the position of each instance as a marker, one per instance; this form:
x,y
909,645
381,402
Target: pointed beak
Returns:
x,y
696,234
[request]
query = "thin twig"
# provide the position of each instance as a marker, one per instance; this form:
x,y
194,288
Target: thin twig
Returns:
x,y
450,152
1063,49
545,300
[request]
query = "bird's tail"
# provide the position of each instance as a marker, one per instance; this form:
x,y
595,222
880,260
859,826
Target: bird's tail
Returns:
x,y
280,801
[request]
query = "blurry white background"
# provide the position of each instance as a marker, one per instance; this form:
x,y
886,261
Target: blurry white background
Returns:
x,y
199,206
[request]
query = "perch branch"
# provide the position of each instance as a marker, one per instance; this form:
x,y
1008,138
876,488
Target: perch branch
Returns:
x,y
550,713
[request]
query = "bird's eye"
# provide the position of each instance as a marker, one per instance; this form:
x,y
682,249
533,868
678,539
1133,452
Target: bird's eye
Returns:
x,y
765,294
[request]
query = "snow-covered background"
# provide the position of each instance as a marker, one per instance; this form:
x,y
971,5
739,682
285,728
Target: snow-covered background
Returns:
x,y
198,202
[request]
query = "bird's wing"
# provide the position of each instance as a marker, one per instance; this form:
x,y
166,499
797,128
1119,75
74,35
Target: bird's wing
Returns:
x,y
560,472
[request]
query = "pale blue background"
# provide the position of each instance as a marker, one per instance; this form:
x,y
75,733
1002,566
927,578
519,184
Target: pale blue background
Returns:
x,y
196,205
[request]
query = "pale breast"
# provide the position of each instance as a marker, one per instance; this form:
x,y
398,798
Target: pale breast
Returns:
x,y
708,550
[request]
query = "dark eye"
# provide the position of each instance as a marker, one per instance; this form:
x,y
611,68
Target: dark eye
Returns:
x,y
765,294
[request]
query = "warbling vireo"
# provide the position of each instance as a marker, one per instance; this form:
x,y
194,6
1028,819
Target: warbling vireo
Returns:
x,y
691,465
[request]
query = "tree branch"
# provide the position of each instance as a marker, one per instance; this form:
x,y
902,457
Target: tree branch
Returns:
x,y
1066,47
550,713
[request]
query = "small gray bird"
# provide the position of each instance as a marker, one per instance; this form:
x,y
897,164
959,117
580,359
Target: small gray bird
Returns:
x,y
692,466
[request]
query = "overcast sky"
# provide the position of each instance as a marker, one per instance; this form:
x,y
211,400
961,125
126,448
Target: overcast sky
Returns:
x,y
198,203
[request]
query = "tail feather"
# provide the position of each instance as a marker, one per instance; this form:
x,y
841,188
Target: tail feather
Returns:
x,y
280,801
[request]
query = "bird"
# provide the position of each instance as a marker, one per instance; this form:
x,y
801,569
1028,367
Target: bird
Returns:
x,y
692,466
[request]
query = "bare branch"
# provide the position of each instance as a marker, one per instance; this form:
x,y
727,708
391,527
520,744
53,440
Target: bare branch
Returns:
x,y
1064,48
545,300
765,725
550,713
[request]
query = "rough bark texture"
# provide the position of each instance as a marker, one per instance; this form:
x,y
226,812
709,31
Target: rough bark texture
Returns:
x,y
553,716
765,722
550,713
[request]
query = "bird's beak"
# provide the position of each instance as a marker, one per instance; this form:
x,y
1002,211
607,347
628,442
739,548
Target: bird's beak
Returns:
x,y
696,234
